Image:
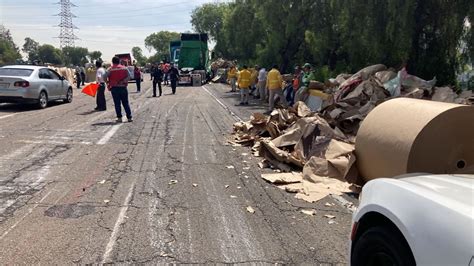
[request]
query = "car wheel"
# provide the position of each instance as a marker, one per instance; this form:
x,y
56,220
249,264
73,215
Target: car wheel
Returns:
x,y
43,100
380,246
68,98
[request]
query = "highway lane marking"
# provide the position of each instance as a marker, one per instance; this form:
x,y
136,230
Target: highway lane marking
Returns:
x,y
236,117
30,210
120,219
109,134
6,116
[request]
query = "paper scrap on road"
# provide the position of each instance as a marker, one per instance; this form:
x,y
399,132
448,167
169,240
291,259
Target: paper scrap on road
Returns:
x,y
106,201
226,186
250,209
329,204
102,182
309,212
172,182
230,167
233,197
329,216
195,185
283,178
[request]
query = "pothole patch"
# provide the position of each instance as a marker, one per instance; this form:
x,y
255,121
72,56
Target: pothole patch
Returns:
x,y
69,211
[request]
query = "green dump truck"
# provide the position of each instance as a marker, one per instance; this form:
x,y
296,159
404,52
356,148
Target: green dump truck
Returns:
x,y
190,55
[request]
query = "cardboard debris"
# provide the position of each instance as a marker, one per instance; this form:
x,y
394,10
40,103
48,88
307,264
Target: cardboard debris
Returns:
x,y
320,143
283,178
329,216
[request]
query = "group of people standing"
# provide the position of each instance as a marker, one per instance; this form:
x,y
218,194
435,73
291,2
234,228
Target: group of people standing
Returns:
x,y
116,79
267,85
163,72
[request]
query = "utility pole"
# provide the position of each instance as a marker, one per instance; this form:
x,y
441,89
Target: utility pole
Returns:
x,y
66,34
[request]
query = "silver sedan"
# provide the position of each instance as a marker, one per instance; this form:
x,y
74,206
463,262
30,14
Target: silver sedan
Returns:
x,y
33,84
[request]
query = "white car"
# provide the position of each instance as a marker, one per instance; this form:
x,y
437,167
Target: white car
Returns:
x,y
33,84
421,219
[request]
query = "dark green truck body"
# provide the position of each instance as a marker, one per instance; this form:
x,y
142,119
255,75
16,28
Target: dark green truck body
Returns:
x,y
191,55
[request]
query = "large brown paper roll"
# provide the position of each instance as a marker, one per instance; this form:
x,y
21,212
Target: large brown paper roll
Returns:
x,y
409,135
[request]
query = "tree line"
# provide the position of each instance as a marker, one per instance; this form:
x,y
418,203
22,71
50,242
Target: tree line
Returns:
x,y
429,37
43,53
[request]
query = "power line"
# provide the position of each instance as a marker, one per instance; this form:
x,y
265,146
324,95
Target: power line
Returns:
x,y
66,34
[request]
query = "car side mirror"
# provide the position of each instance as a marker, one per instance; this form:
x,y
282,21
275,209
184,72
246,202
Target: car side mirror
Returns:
x,y
61,78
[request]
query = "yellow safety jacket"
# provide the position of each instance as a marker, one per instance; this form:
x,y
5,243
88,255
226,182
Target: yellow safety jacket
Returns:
x,y
274,79
232,73
244,79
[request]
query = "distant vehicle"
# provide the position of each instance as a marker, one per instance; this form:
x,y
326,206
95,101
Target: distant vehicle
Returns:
x,y
190,55
415,220
33,84
127,60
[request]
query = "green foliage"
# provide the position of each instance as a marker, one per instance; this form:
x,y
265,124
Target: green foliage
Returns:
x,y
49,54
160,41
138,55
429,37
9,53
31,47
75,55
95,55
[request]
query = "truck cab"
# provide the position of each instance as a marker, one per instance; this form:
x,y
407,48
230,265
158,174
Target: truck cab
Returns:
x,y
190,55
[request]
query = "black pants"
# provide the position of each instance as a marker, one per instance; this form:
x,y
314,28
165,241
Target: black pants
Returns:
x,y
120,96
139,82
173,85
100,98
156,82
83,78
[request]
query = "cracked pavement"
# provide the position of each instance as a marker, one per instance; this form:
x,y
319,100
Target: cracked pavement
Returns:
x,y
155,192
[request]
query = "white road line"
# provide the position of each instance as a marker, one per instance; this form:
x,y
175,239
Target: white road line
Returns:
x,y
109,134
236,117
24,216
120,219
6,116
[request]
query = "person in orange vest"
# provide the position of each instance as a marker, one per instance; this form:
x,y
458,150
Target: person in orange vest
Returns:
x,y
118,77
274,83
244,85
232,76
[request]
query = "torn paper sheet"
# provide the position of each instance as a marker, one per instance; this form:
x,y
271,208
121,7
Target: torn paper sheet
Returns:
x,y
283,178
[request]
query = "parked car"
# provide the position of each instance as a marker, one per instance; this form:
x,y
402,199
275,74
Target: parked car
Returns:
x,y
33,84
415,220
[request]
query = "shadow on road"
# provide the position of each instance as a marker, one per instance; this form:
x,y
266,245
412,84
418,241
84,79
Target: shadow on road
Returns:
x,y
110,123
23,107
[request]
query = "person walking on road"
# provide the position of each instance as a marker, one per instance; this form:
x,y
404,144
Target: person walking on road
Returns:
x,y
261,84
244,85
166,69
137,75
157,76
174,77
78,78
232,76
118,77
100,79
83,75
274,82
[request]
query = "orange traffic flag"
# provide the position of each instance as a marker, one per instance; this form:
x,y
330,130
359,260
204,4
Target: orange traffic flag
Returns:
x,y
91,89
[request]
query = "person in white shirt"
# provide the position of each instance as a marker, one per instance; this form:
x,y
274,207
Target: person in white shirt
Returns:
x,y
100,79
262,80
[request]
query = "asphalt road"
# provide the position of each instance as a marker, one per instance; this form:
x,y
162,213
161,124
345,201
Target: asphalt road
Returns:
x,y
77,188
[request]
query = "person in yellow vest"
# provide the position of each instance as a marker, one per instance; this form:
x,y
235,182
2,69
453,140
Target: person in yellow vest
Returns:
x,y
232,76
274,83
244,85
253,81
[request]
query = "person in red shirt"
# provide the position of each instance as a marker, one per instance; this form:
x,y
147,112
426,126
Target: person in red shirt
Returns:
x,y
117,81
166,70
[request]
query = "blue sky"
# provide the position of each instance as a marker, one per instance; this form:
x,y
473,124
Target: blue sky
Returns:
x,y
110,26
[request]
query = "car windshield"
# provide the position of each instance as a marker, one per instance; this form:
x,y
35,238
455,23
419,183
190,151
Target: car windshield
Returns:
x,y
16,72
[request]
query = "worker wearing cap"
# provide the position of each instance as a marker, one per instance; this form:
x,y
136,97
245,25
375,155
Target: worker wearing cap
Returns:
x,y
274,82
306,78
232,76
244,85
